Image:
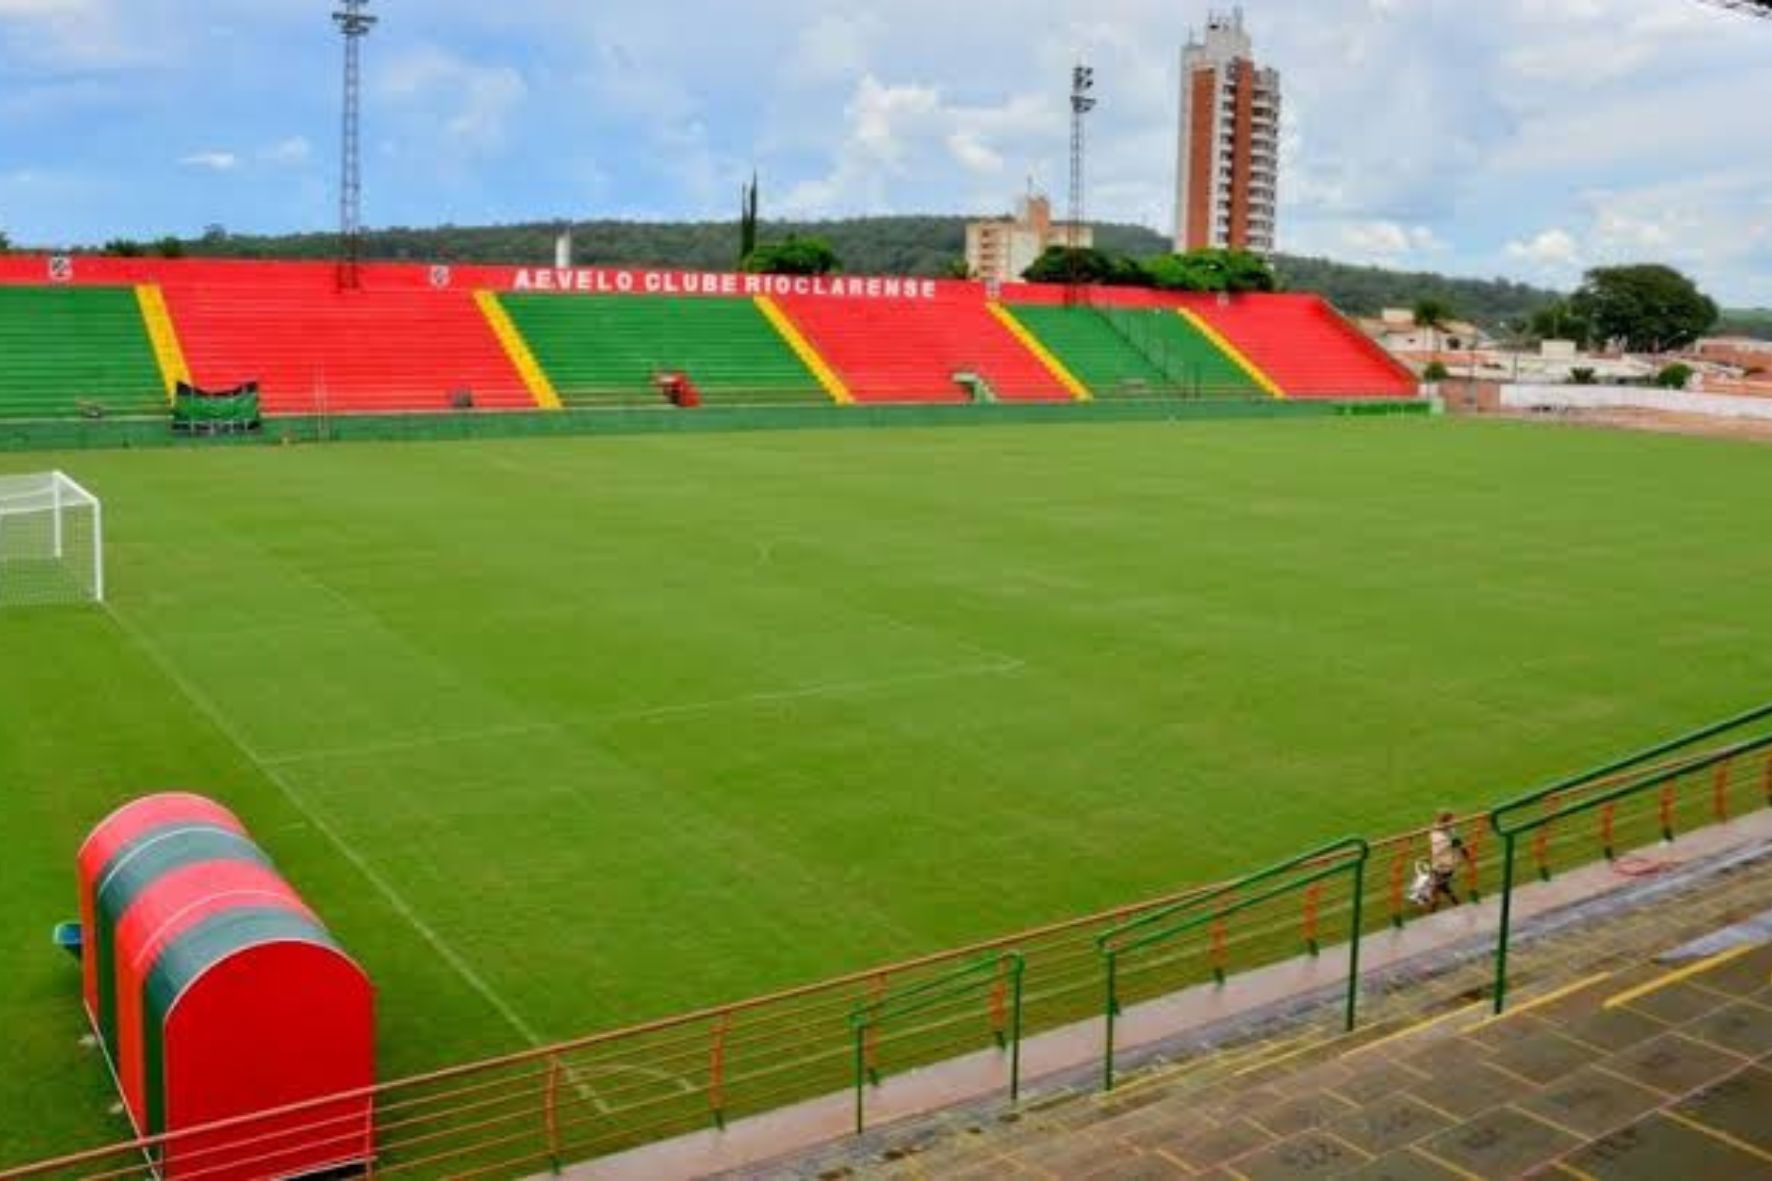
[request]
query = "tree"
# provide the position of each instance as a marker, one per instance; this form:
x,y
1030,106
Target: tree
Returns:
x,y
1674,377
1647,307
1433,314
124,248
1435,371
793,256
1558,320
169,247
957,268
747,221
5,242
1062,264
1234,271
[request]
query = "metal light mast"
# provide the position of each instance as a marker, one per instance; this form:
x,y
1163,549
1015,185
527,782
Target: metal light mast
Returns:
x,y
355,24
1082,102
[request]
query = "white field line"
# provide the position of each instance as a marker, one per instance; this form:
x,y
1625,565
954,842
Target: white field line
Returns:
x,y
801,693
208,709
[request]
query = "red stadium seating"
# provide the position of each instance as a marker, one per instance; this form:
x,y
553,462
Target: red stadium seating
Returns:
x,y
1305,346
313,348
909,351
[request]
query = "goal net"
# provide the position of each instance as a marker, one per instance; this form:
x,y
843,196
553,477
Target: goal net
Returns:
x,y
51,542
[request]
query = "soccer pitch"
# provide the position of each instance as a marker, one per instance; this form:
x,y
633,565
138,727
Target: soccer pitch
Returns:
x,y
559,735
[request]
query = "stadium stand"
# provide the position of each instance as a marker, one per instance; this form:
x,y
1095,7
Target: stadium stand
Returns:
x,y
1305,346
73,350
607,350
915,351
436,338
316,349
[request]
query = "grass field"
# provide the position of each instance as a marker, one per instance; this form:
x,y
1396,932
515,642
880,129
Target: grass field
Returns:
x,y
565,734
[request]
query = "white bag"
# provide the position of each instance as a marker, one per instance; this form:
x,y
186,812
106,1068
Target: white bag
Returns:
x,y
1421,890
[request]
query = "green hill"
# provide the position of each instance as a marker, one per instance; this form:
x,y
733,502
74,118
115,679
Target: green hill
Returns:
x,y
920,245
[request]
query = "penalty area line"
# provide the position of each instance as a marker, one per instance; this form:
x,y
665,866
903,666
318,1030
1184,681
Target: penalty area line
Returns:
x,y
651,713
216,718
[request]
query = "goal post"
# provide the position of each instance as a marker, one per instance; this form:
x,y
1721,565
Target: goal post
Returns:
x,y
52,547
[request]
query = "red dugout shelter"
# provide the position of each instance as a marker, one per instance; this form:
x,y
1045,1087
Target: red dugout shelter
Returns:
x,y
216,993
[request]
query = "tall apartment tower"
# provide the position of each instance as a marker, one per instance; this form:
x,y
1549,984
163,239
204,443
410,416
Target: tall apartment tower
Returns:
x,y
1228,163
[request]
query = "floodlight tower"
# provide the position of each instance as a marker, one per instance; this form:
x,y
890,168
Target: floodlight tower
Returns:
x,y
355,24
1082,102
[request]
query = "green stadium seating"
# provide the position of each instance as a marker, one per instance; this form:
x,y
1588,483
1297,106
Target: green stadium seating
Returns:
x,y
605,350
71,350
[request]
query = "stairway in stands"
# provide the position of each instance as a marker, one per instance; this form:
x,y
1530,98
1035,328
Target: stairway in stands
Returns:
x,y
315,349
1193,364
71,350
909,351
1640,1051
1305,346
1090,347
605,350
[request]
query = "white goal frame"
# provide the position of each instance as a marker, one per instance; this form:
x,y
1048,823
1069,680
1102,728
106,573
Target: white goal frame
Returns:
x,y
63,501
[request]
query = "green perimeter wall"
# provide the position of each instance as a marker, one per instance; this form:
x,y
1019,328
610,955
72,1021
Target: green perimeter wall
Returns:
x,y
114,433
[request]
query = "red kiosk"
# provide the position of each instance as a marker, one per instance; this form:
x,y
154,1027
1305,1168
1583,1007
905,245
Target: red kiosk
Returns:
x,y
216,993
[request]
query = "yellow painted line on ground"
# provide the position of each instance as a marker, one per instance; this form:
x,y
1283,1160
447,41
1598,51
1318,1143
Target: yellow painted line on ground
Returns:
x,y
1077,390
1565,1167
1735,1142
1418,1027
809,356
517,349
163,337
1442,1162
1686,973
1223,344
1539,1002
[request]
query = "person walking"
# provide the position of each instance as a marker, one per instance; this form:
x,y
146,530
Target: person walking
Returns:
x,y
1446,853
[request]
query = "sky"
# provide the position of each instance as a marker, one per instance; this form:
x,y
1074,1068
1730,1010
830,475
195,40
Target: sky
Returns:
x,y
1525,138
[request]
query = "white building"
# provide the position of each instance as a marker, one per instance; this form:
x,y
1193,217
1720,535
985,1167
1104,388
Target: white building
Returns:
x,y
999,249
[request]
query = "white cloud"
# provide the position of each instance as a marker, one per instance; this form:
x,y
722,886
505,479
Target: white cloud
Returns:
x,y
289,152
972,153
1388,240
62,36
212,161
1554,249
43,8
464,106
896,134
834,47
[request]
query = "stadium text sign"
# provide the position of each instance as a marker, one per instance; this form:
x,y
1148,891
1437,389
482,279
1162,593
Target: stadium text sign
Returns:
x,y
596,280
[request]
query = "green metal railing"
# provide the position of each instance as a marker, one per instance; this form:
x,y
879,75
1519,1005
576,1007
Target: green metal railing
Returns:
x,y
1603,789
997,979
1212,908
